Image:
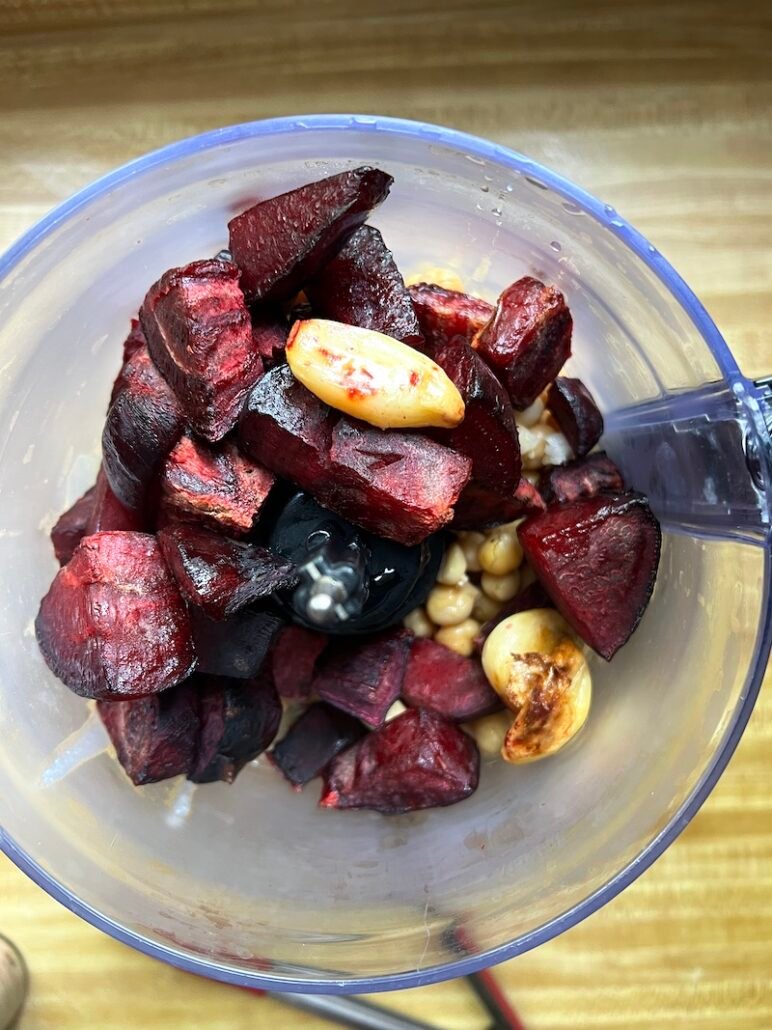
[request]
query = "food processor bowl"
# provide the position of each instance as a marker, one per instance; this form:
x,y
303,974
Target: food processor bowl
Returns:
x,y
252,883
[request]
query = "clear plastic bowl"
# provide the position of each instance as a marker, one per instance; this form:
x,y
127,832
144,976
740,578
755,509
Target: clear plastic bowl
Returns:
x,y
256,885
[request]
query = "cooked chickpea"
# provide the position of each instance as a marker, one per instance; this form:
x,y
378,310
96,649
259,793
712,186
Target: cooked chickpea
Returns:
x,y
459,638
532,446
448,606
471,542
419,623
557,450
437,274
530,415
396,709
489,732
501,553
531,476
500,588
453,567
535,666
485,608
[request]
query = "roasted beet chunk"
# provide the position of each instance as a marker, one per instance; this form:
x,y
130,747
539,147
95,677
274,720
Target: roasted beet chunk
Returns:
x,y
200,337
418,760
134,342
294,659
442,681
396,484
320,734
597,558
108,514
577,414
363,286
281,243
488,434
239,719
528,340
584,478
364,678
287,429
269,333
532,596
446,315
113,625
399,485
235,647
155,737
220,575
72,526
215,485
143,424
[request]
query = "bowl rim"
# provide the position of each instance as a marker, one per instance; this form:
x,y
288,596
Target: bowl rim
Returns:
x,y
477,148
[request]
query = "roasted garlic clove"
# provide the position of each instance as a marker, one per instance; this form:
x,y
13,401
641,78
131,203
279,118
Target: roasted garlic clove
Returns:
x,y
534,664
371,376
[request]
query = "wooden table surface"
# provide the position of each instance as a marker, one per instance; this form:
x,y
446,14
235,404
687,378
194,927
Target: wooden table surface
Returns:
x,y
662,109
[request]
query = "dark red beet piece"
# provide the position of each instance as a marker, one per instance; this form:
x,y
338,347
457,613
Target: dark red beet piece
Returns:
x,y
200,336
442,681
281,243
597,558
398,485
220,575
446,315
484,508
364,678
287,429
108,514
134,342
418,760
363,286
143,424
234,647
584,478
575,411
155,737
239,719
70,528
320,734
113,625
528,340
269,332
533,596
488,433
217,486
294,659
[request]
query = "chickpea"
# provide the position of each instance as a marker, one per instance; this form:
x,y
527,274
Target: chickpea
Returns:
x,y
448,606
459,638
396,709
489,732
501,553
530,415
534,665
557,449
419,623
437,274
453,568
500,588
471,542
532,446
531,476
485,608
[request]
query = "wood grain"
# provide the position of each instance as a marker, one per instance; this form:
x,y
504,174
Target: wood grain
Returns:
x,y
662,109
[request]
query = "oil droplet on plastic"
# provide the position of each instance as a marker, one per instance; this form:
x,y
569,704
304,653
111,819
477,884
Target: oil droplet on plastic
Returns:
x,y
571,207
556,246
